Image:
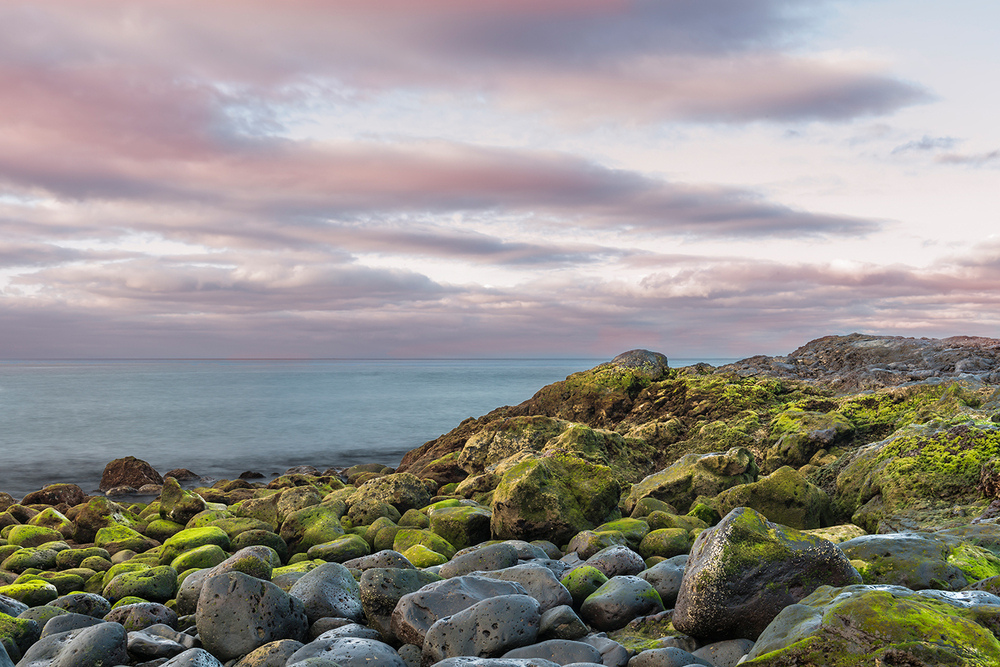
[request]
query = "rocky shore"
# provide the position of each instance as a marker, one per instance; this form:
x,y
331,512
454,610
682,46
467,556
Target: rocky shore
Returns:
x,y
834,507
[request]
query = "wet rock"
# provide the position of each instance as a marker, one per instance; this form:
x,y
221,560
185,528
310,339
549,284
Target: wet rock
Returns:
x,y
128,471
416,612
329,590
667,657
914,560
619,600
745,570
487,629
559,651
158,641
238,613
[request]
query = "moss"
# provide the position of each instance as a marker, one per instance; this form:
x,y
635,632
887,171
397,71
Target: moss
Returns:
x,y
408,537
583,581
975,562
420,556
192,538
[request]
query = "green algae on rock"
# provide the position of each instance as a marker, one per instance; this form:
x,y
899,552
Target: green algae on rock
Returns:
x,y
865,625
695,475
784,497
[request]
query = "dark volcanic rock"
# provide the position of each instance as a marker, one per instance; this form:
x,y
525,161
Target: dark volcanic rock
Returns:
x,y
55,494
128,471
860,361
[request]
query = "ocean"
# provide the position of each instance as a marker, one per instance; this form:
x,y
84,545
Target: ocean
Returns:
x,y
63,421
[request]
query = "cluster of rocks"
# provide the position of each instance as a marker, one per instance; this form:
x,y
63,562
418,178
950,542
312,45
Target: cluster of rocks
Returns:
x,y
633,515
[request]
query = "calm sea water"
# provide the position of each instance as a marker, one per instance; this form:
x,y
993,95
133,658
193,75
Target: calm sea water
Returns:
x,y
62,421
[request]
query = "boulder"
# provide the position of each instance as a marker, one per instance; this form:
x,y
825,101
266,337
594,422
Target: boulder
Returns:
x,y
255,561
190,539
404,491
381,589
552,498
193,657
538,581
745,570
416,612
56,494
617,560
141,615
619,600
128,471
784,497
101,644
309,526
238,613
462,525
487,557
881,625
272,654
797,435
89,604
346,652
695,475
559,651
561,623
157,584
341,549
666,577
582,581
98,513
329,590
487,629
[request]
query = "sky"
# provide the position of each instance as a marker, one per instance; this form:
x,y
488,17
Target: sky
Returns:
x,y
494,178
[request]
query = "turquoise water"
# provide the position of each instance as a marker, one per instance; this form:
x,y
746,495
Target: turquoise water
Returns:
x,y
62,421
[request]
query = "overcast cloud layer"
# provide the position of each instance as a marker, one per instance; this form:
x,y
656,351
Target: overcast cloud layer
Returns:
x,y
497,178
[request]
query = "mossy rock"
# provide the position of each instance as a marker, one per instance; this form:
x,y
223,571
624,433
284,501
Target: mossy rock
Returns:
x,y
634,530
120,538
20,632
553,498
309,526
178,504
582,581
157,584
264,538
31,557
340,550
385,538
98,513
784,497
43,613
65,582
235,525
914,471
69,558
208,517
412,518
867,625
96,564
407,537
162,529
796,435
7,550
646,506
461,525
665,543
420,556
404,491
207,555
50,517
694,475
34,592
586,543
838,534
660,520
919,561
372,530
192,538
263,509
32,536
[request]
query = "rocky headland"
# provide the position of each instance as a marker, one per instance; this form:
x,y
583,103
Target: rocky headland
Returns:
x,y
837,507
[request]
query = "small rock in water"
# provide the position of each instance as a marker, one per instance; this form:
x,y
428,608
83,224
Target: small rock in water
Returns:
x,y
128,471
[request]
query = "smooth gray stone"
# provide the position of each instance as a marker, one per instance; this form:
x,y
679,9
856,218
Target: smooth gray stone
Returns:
x,y
142,615
42,614
562,623
326,623
466,661
193,657
527,550
238,613
104,643
384,558
618,601
725,653
255,561
558,567
539,582
90,604
490,557
329,590
349,652
666,577
561,651
616,561
274,654
67,622
11,606
488,629
381,589
666,657
351,630
150,646
410,654
416,612
5,660
613,654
